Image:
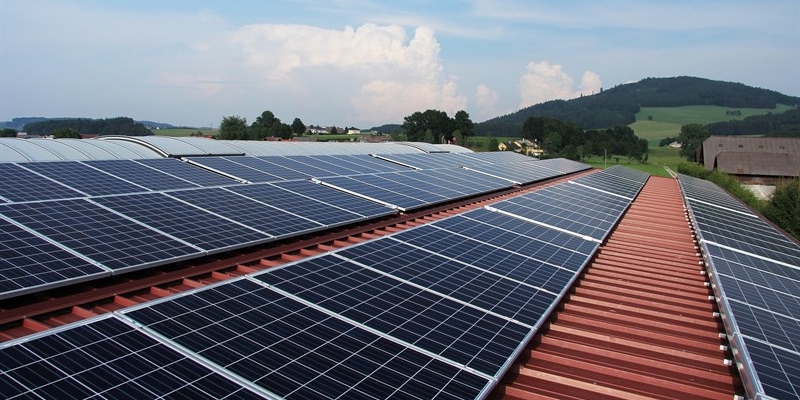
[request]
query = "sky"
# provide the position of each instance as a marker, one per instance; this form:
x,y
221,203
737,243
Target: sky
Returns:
x,y
364,63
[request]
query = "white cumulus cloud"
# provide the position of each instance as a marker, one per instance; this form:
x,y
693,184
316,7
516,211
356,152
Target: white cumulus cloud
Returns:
x,y
543,82
486,100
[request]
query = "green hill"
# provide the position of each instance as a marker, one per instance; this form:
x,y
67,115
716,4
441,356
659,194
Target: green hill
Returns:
x,y
621,104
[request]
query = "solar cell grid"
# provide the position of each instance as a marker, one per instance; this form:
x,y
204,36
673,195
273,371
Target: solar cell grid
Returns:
x,y
29,263
277,172
307,207
20,184
502,262
107,359
247,212
479,183
479,287
205,230
756,270
422,161
611,184
563,165
298,352
373,163
378,193
84,178
140,174
419,184
114,241
775,329
346,165
413,315
199,176
229,166
763,298
524,172
363,207
292,163
330,166
778,369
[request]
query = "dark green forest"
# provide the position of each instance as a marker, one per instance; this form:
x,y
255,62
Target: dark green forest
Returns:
x,y
86,126
619,105
786,124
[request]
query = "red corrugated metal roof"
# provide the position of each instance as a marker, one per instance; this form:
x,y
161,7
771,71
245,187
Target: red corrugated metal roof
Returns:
x,y
639,324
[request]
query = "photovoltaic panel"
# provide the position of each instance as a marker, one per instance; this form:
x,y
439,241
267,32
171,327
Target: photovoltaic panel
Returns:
x,y
521,172
749,234
424,160
494,157
296,165
199,176
419,184
107,358
245,211
480,287
99,234
140,174
493,259
611,184
298,352
758,271
275,170
29,263
464,334
373,189
707,192
626,173
479,183
777,368
307,207
336,198
229,166
205,230
563,165
84,178
328,164
20,184
373,163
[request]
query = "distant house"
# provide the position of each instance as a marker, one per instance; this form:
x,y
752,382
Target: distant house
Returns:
x,y
757,160
354,131
318,130
523,146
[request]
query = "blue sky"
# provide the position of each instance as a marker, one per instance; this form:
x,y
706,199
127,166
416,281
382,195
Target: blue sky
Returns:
x,y
365,63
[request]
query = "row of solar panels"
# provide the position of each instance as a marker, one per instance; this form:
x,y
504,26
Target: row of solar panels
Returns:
x,y
69,222
755,270
437,311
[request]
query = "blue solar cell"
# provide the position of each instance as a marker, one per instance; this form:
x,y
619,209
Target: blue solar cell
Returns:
x,y
230,166
107,359
20,184
141,175
611,184
374,164
563,165
205,230
304,206
95,232
331,164
84,178
520,172
296,164
296,351
199,176
245,211
435,323
29,263
378,193
778,369
358,205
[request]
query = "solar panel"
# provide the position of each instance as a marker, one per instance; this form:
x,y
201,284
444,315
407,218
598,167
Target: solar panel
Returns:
x,y
84,178
373,190
611,184
478,183
332,165
520,172
336,198
477,284
294,163
375,164
299,352
99,234
440,325
107,358
140,174
199,176
627,173
423,160
229,167
205,230
563,165
20,184
754,272
307,207
275,171
257,215
29,263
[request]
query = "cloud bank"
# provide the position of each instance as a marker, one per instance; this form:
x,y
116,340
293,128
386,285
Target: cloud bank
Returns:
x,y
542,82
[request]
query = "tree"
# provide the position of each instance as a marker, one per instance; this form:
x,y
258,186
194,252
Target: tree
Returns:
x,y
8,132
492,144
66,133
458,138
233,127
417,124
463,124
552,144
429,137
784,207
298,127
691,138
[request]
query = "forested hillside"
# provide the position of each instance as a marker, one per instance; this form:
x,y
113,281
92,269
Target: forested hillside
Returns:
x,y
619,105
770,125
86,126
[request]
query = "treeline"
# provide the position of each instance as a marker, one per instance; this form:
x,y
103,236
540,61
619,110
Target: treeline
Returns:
x,y
786,124
435,126
619,105
565,139
86,126
266,125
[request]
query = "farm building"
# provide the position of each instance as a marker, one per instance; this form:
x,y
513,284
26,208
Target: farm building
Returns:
x,y
157,267
759,160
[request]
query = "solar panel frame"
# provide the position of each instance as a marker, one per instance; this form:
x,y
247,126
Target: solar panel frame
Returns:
x,y
337,198
298,166
375,193
229,167
199,176
84,178
106,358
20,184
99,234
280,172
141,174
296,351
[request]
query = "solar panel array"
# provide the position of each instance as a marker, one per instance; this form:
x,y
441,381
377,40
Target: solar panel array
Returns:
x,y
124,215
755,271
437,311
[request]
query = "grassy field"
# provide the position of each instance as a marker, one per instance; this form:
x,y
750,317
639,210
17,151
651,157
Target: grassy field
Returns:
x,y
667,121
658,158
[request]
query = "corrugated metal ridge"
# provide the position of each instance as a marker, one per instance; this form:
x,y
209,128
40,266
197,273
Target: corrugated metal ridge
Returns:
x,y
639,324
